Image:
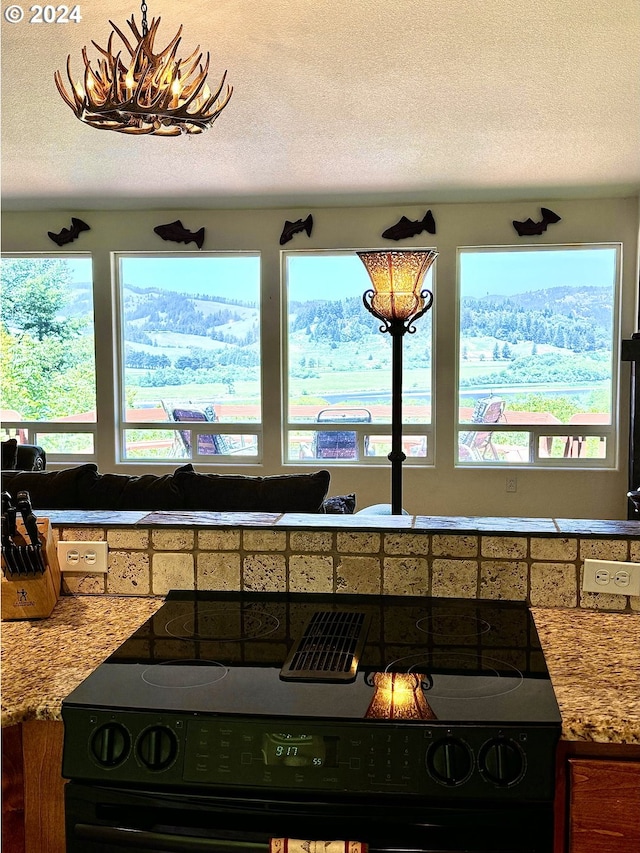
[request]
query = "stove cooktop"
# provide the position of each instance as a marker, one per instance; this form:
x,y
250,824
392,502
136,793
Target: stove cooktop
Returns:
x,y
367,694
230,653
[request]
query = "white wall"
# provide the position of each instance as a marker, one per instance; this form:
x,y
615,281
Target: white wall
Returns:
x,y
442,490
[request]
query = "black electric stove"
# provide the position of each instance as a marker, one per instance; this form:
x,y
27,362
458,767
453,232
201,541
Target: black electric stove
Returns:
x,y
411,696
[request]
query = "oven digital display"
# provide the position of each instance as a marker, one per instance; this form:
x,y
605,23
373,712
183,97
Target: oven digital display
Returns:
x,y
297,750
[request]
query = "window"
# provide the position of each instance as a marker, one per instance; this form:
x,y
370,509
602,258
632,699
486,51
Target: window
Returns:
x,y
190,377
537,361
338,367
48,385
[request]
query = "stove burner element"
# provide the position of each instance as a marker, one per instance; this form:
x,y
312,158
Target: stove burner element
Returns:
x,y
453,625
181,674
223,626
493,678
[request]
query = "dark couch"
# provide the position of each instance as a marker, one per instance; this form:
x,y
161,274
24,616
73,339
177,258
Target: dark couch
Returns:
x,y
84,488
22,457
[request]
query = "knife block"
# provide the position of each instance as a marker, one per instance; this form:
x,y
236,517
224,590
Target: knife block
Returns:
x,y
32,596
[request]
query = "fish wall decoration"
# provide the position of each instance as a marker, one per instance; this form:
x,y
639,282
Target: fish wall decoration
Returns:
x,y
529,228
177,233
291,228
68,235
409,228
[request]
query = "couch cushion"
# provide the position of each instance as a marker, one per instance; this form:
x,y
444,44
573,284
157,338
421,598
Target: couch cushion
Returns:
x,y
64,489
242,493
128,492
9,454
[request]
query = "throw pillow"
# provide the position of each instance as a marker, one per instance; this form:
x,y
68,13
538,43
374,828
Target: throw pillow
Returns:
x,y
9,454
152,492
128,492
242,493
64,489
339,504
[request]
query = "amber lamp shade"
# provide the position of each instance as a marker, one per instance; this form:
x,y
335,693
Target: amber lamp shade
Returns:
x,y
399,696
397,279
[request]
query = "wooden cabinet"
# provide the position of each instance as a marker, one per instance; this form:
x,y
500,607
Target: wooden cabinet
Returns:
x,y
12,790
598,799
32,788
604,806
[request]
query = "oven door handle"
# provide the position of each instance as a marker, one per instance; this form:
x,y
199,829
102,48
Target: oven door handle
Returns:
x,y
135,839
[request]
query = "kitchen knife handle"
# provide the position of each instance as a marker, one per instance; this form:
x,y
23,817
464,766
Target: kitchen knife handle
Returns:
x,y
8,550
23,502
31,526
9,511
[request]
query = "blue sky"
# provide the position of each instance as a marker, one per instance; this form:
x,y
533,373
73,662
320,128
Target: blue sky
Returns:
x,y
233,277
508,272
486,271
329,277
337,276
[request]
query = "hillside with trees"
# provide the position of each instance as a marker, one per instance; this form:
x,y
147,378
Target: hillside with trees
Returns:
x,y
47,349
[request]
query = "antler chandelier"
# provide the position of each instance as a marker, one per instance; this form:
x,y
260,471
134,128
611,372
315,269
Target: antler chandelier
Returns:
x,y
144,92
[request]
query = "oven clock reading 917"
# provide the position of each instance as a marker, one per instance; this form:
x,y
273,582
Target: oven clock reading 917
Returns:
x,y
289,750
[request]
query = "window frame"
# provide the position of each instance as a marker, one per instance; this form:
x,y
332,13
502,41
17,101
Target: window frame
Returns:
x,y
362,430
33,430
608,432
197,429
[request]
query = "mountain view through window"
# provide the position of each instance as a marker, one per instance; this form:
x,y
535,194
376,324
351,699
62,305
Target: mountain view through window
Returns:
x,y
339,366
536,349
190,353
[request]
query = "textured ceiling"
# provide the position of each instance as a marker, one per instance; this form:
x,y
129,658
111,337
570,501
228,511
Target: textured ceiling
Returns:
x,y
336,103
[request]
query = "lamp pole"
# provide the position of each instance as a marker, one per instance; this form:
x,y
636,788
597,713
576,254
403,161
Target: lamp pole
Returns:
x,y
397,455
397,302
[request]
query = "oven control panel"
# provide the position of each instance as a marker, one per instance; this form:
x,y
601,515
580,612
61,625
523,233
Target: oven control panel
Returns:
x,y
277,754
208,751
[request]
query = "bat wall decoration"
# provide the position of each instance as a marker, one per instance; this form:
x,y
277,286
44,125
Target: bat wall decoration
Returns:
x,y
529,228
68,235
409,228
177,233
291,228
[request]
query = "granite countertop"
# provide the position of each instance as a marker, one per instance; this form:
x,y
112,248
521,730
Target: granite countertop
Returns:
x,y
594,663
593,658
43,660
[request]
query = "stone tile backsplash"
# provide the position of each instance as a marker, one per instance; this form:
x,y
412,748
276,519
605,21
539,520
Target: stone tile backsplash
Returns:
x,y
540,569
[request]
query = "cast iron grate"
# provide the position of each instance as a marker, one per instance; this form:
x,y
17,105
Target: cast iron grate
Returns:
x,y
329,648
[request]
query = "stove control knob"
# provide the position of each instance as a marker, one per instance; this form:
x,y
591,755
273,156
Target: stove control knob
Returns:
x,y
450,761
157,747
110,744
502,761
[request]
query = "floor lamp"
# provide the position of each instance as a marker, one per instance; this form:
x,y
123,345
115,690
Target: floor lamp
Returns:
x,y
397,301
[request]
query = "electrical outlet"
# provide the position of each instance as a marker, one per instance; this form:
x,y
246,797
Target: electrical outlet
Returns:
x,y
611,576
512,483
83,556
